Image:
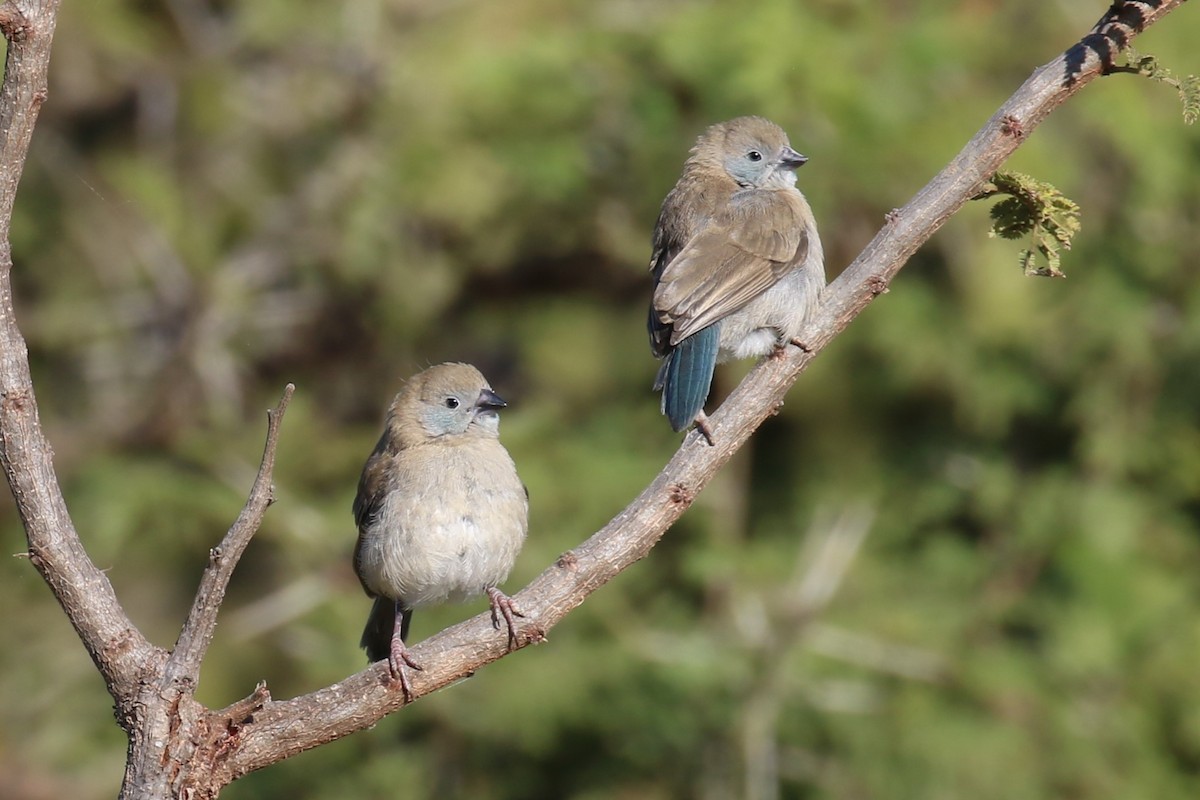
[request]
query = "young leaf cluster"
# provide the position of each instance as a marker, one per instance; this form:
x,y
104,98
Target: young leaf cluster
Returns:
x,y
1036,209
1188,86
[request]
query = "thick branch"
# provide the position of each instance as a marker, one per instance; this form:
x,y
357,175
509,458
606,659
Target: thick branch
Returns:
x,y
281,729
197,632
118,648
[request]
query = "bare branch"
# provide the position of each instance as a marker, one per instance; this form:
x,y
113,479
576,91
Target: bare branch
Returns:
x,y
117,647
197,633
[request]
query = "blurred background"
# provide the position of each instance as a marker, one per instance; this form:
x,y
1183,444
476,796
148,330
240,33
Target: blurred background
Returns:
x,y
964,561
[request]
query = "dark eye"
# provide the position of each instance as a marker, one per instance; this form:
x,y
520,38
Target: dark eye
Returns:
x,y
451,402
754,155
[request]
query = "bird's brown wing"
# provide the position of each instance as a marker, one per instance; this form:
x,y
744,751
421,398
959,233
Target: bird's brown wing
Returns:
x,y
672,232
373,487
737,257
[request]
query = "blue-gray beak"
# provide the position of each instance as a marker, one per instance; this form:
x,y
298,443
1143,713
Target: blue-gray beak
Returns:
x,y
790,159
489,401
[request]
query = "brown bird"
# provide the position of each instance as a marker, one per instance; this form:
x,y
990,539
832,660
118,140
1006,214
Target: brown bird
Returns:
x,y
737,262
440,510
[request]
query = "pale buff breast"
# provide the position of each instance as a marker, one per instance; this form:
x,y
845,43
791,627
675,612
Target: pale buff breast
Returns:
x,y
451,529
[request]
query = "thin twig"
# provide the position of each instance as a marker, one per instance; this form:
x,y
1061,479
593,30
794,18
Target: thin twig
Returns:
x,y
197,633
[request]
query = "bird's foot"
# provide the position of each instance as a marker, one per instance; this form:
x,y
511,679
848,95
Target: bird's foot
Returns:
x,y
781,348
398,659
503,606
803,345
705,427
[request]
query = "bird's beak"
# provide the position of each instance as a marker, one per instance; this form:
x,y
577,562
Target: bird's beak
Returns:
x,y
790,159
489,401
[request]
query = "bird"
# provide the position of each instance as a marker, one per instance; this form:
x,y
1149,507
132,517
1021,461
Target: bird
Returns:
x,y
737,263
440,510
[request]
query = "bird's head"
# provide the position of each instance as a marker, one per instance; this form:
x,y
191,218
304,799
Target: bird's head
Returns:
x,y
753,151
445,400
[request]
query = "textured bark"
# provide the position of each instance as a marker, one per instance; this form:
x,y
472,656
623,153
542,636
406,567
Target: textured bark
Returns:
x,y
179,748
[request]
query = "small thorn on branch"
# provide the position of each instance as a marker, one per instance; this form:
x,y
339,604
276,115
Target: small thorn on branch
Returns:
x,y
242,712
1010,125
681,494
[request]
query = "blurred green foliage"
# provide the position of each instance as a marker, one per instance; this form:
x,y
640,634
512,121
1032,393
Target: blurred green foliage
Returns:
x,y
223,197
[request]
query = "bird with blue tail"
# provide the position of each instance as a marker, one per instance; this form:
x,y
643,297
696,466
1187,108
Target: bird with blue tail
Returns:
x,y
737,262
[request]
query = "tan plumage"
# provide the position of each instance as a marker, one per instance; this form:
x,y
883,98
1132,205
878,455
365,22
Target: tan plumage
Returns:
x,y
740,254
737,262
441,512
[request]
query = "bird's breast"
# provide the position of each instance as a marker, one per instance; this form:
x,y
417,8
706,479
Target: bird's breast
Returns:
x,y
451,528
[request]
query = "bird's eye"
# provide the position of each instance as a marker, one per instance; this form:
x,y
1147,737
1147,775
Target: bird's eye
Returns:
x,y
754,155
451,402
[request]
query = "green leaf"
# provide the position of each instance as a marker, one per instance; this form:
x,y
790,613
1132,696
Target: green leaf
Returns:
x,y
1035,209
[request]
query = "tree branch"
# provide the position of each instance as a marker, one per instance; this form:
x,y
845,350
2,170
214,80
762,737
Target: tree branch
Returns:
x,y
115,645
197,633
284,728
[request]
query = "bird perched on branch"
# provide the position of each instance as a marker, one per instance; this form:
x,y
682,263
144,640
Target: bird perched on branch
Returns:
x,y
737,262
440,510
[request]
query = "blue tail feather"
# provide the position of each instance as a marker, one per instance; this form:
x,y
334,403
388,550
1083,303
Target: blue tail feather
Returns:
x,y
686,376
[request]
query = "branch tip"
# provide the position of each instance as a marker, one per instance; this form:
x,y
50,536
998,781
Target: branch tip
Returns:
x,y
275,415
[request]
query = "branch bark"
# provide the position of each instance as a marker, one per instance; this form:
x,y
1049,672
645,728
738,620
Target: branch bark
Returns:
x,y
173,740
178,747
116,646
